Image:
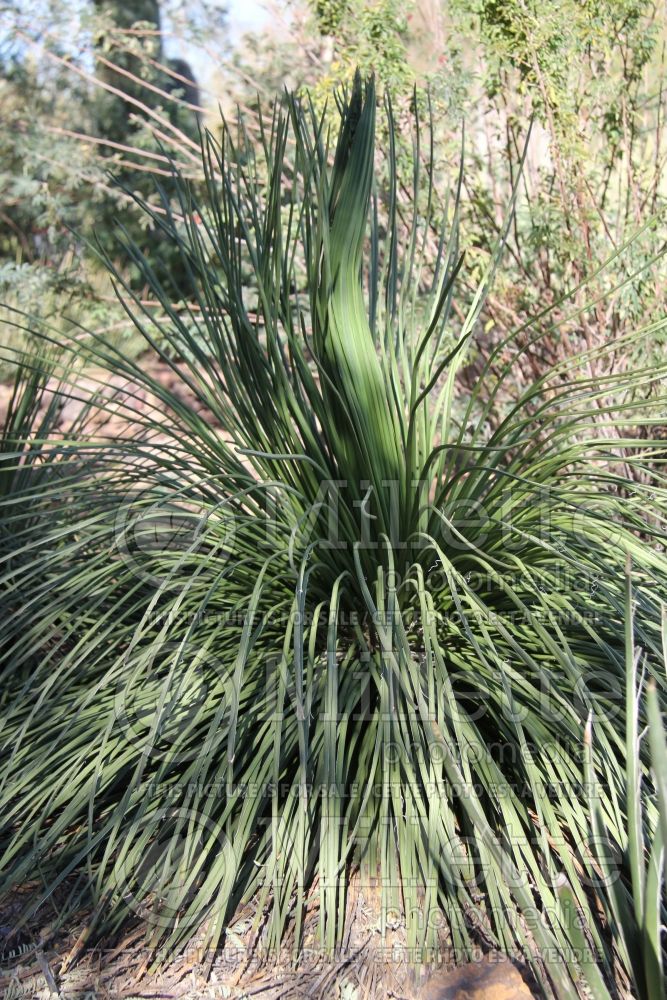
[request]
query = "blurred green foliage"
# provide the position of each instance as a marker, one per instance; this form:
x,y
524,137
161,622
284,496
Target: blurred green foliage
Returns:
x,y
94,112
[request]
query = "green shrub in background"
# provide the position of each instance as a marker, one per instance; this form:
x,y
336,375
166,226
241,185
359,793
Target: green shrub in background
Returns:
x,y
357,628
592,76
93,108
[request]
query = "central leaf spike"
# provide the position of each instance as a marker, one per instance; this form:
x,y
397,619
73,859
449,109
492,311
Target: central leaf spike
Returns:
x,y
367,421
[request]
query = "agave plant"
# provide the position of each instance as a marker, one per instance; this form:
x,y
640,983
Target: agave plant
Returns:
x,y
313,616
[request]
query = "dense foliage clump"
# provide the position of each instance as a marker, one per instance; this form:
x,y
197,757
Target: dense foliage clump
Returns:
x,y
310,612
